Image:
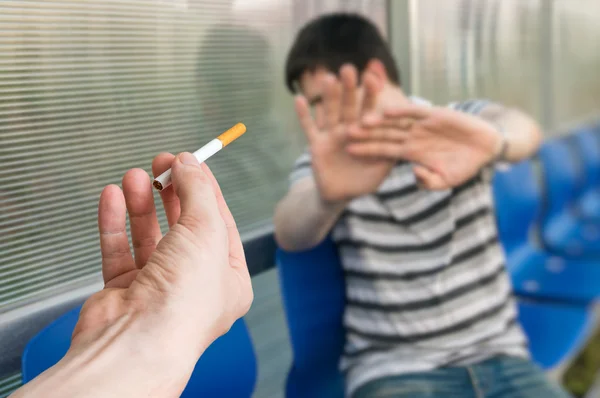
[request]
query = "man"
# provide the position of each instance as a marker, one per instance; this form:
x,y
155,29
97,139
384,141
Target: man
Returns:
x,y
403,189
148,298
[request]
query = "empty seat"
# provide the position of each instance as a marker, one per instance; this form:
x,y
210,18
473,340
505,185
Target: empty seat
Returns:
x,y
534,271
587,143
564,231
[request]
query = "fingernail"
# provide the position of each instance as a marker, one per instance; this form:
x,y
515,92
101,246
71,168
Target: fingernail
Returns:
x,y
188,158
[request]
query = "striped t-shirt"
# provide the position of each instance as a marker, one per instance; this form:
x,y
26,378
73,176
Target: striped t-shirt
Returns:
x,y
426,285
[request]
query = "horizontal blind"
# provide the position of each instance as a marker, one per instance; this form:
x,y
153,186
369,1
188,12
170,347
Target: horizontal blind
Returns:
x,y
89,89
9,383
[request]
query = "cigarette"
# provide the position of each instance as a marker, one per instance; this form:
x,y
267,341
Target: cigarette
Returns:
x,y
164,180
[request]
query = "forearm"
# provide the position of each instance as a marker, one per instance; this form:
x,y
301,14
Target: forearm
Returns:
x,y
303,219
523,134
124,361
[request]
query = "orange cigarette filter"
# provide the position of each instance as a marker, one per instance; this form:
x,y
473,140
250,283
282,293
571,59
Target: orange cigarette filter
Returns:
x,y
232,134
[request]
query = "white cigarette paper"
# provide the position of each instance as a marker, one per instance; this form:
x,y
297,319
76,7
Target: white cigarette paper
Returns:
x,y
164,180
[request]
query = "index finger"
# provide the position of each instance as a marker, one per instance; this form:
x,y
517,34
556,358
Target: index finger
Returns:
x,y
371,88
412,111
160,164
332,101
349,78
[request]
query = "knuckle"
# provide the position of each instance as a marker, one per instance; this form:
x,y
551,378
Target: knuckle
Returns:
x,y
434,123
144,242
196,180
199,177
193,223
117,253
398,150
141,214
408,151
192,177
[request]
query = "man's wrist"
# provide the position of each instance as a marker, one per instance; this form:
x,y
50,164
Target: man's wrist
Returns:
x,y
501,144
328,201
332,204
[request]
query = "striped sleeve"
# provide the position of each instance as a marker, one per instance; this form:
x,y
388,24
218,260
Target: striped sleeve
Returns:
x,y
473,107
302,168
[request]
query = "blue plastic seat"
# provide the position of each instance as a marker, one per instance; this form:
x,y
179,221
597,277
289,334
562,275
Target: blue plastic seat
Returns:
x,y
555,331
564,231
534,271
587,143
313,291
226,369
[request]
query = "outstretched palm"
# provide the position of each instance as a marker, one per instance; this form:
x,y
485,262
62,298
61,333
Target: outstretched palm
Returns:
x,y
339,175
449,147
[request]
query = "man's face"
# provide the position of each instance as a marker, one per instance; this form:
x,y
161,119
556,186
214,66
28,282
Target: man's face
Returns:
x,y
312,86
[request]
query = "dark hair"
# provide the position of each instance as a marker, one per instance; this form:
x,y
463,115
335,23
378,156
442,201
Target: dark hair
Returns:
x,y
333,40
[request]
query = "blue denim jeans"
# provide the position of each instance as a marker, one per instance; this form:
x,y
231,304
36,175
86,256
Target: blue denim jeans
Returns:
x,y
500,377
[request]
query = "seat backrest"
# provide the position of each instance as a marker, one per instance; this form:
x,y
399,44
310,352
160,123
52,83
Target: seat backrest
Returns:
x,y
226,369
517,203
312,284
587,143
561,175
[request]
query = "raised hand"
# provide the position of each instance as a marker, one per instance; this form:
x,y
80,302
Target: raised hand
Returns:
x,y
177,293
339,175
448,147
142,335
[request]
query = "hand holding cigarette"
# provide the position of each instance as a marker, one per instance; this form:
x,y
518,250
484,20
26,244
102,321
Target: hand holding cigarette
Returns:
x,y
165,304
202,154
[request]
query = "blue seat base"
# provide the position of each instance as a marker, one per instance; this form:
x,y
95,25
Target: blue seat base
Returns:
x,y
538,274
572,237
230,357
555,331
589,206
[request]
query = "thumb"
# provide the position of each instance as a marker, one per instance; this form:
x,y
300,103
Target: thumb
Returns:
x,y
199,207
429,179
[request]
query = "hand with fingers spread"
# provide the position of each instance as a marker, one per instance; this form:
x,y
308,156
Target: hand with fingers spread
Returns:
x,y
161,308
448,147
339,175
